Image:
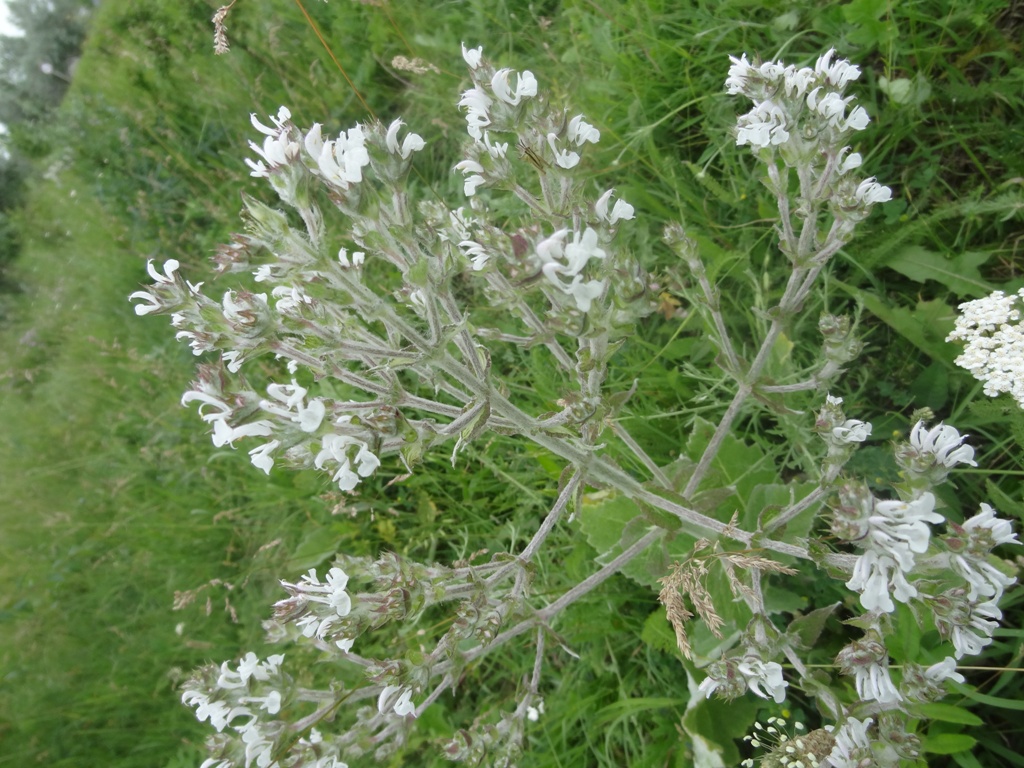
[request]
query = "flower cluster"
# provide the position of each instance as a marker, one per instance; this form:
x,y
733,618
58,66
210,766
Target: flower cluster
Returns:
x,y
802,116
994,343
388,325
316,607
732,677
891,534
242,704
930,454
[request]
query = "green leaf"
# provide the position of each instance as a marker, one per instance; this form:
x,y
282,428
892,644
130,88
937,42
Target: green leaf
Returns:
x,y
926,326
770,499
737,465
631,707
992,701
931,388
959,273
966,760
808,628
612,522
317,545
948,743
718,724
949,713
658,634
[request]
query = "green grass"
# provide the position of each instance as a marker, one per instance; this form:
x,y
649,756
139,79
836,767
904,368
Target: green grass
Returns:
x,y
114,498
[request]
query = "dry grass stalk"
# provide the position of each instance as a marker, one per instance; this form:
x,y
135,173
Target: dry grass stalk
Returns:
x,y
689,579
220,32
417,66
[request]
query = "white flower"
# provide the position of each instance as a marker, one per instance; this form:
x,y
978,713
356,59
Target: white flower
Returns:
x,y
709,685
170,267
831,106
858,120
314,141
983,578
477,104
871,577
763,679
576,255
472,56
278,149
402,704
250,667
413,142
898,527
292,396
944,443
219,713
969,640
526,86
581,132
837,74
205,398
944,670
564,158
358,257
153,303
739,73
870,192
584,293
851,162
472,170
331,593
852,431
476,252
497,150
257,746
335,448
533,713
261,457
341,161
994,351
620,211
852,745
873,683
763,126
993,529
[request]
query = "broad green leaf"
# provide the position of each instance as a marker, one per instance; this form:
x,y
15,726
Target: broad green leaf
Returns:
x,y
931,387
769,499
719,724
925,326
949,713
905,644
612,522
808,628
948,743
317,545
737,465
959,273
658,634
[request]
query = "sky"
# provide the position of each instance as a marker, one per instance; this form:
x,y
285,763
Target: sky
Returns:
x,y
5,25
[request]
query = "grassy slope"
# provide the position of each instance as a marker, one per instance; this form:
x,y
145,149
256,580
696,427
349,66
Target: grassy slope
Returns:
x,y
113,497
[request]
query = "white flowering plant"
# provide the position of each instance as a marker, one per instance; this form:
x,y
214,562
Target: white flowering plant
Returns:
x,y
378,317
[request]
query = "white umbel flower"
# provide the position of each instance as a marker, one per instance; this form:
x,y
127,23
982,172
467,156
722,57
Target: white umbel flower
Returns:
x,y
994,339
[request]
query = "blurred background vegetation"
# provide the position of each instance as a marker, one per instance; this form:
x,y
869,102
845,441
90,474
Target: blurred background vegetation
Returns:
x,y
126,138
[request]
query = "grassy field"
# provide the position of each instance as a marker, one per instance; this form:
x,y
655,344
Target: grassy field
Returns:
x,y
113,501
